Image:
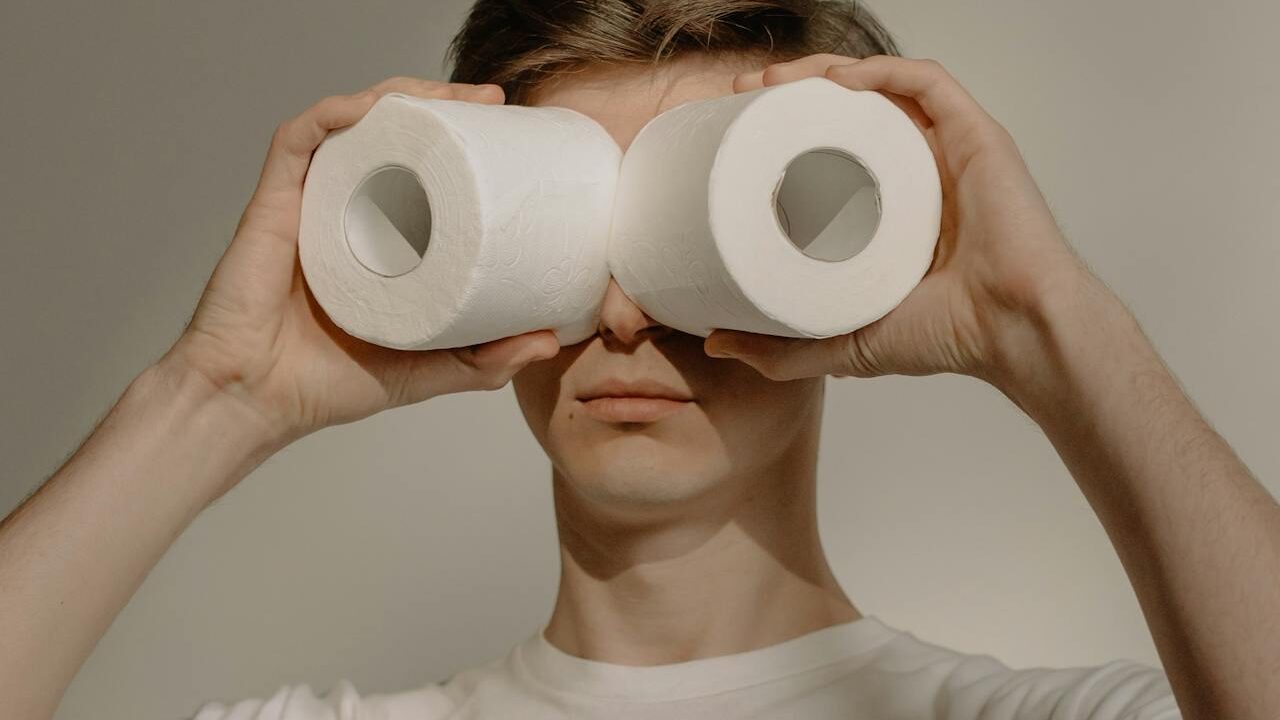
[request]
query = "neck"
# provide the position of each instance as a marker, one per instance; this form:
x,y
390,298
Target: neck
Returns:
x,y
743,569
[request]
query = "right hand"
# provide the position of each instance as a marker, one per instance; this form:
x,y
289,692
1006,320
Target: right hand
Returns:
x,y
259,336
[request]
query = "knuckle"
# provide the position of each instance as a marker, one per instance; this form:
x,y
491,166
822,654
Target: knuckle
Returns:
x,y
773,73
493,381
324,103
462,368
1001,130
492,90
289,128
858,356
280,138
478,375
329,102
771,370
939,71
388,84
993,133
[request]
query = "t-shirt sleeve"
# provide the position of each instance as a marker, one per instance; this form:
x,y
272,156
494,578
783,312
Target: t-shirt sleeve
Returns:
x,y
342,702
1123,690
1117,690
290,702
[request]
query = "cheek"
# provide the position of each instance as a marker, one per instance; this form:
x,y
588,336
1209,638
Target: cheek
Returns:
x,y
753,412
537,389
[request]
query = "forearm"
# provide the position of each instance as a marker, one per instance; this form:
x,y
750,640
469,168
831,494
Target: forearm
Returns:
x,y
1198,536
73,554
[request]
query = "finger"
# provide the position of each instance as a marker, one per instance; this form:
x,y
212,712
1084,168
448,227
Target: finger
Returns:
x,y
408,85
922,122
777,73
912,109
296,139
939,95
487,93
808,66
418,87
487,366
783,358
751,80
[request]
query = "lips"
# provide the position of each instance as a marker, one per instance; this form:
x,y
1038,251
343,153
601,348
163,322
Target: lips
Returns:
x,y
642,400
640,388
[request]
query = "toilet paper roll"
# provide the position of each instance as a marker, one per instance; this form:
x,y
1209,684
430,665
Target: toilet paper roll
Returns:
x,y
441,223
697,241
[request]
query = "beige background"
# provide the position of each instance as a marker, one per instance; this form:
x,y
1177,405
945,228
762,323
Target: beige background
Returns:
x,y
398,549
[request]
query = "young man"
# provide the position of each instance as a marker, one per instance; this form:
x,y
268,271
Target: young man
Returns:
x,y
693,581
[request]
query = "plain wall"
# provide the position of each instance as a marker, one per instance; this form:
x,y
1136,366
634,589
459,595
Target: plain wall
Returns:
x,y
396,550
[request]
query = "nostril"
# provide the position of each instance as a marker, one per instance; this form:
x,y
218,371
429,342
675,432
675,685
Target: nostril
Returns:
x,y
621,319
631,330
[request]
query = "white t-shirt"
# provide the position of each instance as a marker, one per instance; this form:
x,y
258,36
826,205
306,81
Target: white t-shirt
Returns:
x,y
859,670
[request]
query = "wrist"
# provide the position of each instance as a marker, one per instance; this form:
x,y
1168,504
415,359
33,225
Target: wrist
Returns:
x,y
190,406
1071,341
187,365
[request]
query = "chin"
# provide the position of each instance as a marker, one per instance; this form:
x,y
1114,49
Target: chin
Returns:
x,y
716,426
639,466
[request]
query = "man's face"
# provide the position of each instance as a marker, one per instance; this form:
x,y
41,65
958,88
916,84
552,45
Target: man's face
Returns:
x,y
635,456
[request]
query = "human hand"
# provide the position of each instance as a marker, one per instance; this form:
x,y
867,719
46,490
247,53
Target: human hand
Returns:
x,y
259,336
999,248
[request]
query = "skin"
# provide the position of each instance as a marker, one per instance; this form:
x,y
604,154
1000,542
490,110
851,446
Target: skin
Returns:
x,y
695,535
712,506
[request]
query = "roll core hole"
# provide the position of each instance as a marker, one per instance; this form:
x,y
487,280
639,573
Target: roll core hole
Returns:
x,y
827,204
388,221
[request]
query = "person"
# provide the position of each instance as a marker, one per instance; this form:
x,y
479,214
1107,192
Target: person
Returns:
x,y
693,582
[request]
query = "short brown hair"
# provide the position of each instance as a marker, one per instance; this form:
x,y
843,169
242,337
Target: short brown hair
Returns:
x,y
519,44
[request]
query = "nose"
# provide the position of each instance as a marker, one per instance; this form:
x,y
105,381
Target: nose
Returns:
x,y
623,322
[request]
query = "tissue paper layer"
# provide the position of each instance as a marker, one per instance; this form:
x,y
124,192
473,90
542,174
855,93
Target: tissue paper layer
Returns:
x,y
509,208
696,242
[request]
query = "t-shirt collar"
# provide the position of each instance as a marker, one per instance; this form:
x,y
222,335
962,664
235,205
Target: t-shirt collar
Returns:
x,y
552,667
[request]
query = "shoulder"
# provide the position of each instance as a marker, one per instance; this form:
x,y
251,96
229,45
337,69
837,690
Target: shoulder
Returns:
x,y
341,702
969,686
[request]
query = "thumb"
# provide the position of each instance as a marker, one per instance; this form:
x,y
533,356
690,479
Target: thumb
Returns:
x,y
784,358
486,366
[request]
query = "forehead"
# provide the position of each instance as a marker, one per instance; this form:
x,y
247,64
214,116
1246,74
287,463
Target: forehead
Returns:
x,y
624,98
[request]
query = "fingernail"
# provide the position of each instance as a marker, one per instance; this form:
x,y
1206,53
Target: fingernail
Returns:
x,y
720,353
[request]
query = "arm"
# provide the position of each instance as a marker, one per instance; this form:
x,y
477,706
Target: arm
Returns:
x,y
258,366
1007,300
1198,536
73,554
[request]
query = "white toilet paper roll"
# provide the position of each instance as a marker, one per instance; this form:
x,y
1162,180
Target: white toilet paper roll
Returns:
x,y
440,223
698,244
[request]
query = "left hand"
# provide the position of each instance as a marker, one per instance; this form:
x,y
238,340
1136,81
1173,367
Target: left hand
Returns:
x,y
999,248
